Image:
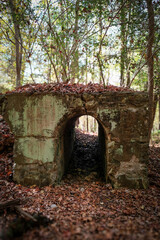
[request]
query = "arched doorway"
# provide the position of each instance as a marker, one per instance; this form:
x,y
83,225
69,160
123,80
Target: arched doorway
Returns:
x,y
84,147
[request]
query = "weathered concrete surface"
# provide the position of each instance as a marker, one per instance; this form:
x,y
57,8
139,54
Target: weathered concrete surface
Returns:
x,y
43,126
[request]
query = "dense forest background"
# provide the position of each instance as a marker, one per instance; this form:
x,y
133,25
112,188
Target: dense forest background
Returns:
x,y
99,41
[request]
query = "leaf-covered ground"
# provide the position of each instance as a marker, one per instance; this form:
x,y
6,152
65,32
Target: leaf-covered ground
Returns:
x,y
81,207
68,88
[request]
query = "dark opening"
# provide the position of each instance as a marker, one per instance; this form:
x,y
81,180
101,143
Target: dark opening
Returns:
x,y
84,147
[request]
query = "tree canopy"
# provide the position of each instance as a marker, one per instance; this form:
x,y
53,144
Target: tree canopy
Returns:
x,y
78,41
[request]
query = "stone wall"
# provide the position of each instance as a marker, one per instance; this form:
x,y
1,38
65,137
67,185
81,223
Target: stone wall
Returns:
x,y
43,127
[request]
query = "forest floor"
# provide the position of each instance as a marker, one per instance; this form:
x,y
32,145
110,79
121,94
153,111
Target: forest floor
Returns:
x,y
82,206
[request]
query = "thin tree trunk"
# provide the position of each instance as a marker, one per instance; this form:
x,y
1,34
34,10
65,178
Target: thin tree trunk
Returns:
x,y
150,62
75,61
49,73
157,87
101,70
99,54
159,112
129,26
64,74
122,61
100,36
87,123
18,42
50,57
31,72
18,54
86,67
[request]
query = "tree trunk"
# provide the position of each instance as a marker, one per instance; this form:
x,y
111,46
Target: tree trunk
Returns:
x,y
75,61
18,54
87,124
159,112
46,48
128,51
122,61
18,42
150,62
86,81
100,37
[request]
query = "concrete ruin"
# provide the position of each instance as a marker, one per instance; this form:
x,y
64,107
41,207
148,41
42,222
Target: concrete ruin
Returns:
x,y
43,125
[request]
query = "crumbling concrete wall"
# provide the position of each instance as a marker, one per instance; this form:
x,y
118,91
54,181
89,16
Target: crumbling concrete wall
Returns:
x,y
43,124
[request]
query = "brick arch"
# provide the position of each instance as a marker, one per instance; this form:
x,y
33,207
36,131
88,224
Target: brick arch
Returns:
x,y
38,122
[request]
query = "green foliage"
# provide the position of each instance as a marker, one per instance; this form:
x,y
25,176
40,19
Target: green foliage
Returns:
x,y
79,41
